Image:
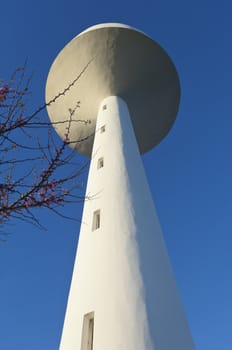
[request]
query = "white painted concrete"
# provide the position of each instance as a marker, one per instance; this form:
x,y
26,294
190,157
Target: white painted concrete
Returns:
x,y
109,25
122,271
124,62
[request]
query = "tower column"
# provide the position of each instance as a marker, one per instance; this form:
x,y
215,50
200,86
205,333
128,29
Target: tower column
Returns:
x,y
123,291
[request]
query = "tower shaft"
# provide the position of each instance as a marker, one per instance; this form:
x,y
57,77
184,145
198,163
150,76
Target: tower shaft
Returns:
x,y
123,294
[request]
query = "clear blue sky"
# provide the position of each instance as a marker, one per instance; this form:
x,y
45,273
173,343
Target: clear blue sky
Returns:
x,y
189,173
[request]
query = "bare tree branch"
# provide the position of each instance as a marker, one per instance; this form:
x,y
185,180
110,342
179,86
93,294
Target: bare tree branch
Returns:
x,y
36,168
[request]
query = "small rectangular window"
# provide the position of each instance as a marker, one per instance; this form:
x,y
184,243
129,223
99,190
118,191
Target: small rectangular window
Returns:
x,y
87,332
104,107
100,163
96,220
103,129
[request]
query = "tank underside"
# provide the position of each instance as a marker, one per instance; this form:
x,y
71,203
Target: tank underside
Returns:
x,y
113,60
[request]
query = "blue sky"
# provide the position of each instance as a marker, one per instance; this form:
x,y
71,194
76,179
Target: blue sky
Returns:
x,y
189,173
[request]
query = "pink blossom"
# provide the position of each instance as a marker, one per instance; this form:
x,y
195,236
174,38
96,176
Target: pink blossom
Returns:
x,y
20,118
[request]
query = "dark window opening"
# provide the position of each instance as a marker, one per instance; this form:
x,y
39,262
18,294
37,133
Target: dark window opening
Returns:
x,y
88,331
103,129
96,220
100,163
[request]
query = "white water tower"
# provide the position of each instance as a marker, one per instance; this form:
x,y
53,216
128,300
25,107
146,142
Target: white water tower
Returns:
x,y
123,294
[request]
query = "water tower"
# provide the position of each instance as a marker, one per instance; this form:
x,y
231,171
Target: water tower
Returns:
x,y
123,294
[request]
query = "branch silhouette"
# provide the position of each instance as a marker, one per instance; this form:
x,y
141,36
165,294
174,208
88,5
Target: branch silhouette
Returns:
x,y
37,169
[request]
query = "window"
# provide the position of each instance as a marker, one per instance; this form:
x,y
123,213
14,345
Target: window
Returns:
x,y
87,332
96,220
104,107
102,129
100,163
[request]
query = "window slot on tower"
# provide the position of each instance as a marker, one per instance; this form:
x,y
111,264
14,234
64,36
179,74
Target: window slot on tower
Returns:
x,y
104,107
96,220
100,163
102,129
87,332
